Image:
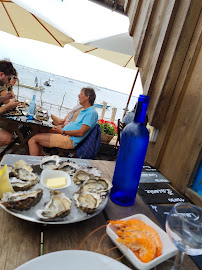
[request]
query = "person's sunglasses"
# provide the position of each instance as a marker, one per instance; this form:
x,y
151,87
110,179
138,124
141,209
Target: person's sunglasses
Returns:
x,y
9,79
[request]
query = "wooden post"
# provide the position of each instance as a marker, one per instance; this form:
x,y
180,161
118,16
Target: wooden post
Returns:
x,y
104,109
114,110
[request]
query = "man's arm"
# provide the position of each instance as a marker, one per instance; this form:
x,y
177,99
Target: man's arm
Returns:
x,y
11,105
7,96
76,133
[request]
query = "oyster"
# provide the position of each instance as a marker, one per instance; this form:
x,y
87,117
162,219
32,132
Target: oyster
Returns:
x,y
92,170
50,163
96,185
68,166
23,171
21,164
57,207
22,200
81,176
19,185
87,202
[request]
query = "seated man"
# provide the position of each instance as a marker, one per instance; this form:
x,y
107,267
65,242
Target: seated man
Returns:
x,y
73,133
7,71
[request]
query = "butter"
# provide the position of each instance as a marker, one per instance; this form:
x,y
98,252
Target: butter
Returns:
x,y
5,185
56,182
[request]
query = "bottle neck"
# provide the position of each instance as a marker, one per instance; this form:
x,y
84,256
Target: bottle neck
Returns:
x,y
33,97
141,110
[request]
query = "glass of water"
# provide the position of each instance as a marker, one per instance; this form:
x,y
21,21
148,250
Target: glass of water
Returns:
x,y
184,227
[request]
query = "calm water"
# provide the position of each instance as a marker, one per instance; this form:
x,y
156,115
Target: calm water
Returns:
x,y
64,91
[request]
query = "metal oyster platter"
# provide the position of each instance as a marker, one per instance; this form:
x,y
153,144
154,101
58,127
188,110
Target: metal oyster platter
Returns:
x,y
75,214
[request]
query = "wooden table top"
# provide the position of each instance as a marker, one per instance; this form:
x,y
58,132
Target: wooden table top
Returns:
x,y
21,241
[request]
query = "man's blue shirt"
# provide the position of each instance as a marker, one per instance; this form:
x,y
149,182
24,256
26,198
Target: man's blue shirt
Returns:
x,y
87,117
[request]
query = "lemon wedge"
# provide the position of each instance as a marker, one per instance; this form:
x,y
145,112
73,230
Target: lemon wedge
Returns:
x,y
5,185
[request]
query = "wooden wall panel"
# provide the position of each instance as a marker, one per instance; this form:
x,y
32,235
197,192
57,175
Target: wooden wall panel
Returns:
x,y
185,140
168,45
172,61
156,150
159,29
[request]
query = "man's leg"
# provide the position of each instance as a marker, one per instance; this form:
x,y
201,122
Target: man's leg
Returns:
x,y
37,142
5,137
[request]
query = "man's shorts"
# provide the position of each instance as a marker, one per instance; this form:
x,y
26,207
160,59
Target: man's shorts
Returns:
x,y
61,141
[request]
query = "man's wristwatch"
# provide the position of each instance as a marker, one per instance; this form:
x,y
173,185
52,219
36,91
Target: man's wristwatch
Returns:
x,y
63,133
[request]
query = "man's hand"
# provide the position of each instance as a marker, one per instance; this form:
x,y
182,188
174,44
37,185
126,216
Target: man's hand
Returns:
x,y
11,105
57,129
9,95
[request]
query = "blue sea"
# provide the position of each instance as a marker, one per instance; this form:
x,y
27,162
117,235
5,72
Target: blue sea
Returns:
x,y
64,91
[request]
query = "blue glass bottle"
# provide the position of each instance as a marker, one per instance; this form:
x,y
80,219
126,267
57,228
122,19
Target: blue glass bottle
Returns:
x,y
31,110
131,155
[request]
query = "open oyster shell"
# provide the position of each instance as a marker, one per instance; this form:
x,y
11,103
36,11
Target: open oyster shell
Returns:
x,y
68,166
21,164
81,176
96,185
20,185
23,171
58,207
22,200
92,170
87,202
50,162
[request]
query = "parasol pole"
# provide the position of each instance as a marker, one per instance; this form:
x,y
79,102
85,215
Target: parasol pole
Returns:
x,y
126,108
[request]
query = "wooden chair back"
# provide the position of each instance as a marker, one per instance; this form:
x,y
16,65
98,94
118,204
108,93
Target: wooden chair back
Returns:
x,y
121,126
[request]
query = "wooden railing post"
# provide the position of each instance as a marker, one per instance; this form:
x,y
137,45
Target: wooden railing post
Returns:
x,y
104,109
114,110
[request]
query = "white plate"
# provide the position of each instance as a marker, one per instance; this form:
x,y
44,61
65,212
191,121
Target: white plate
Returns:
x,y
49,174
73,260
169,250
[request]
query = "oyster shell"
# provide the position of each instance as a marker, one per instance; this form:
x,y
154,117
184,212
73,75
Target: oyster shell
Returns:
x,y
96,185
87,202
50,163
81,176
68,166
19,185
57,207
23,171
24,175
92,170
22,200
21,164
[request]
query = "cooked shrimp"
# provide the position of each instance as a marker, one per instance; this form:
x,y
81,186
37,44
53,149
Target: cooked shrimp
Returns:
x,y
147,230
136,225
143,246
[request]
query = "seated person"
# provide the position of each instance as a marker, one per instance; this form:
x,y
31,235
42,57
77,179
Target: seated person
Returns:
x,y
7,71
72,133
71,116
8,88
129,117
